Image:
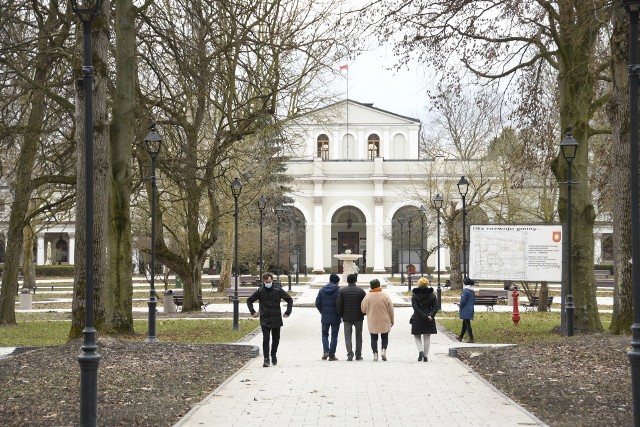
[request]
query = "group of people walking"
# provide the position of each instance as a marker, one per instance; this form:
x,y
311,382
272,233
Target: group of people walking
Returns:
x,y
350,305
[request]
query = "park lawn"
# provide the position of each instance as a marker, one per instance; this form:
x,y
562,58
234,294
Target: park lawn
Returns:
x,y
498,328
44,333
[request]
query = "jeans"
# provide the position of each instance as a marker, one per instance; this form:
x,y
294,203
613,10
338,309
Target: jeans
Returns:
x,y
275,334
348,326
374,341
326,347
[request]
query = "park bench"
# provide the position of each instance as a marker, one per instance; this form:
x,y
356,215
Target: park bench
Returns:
x,y
215,283
535,301
603,278
178,299
502,295
242,292
487,300
248,280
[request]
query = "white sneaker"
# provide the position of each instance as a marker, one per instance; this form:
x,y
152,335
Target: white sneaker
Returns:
x,y
375,357
384,354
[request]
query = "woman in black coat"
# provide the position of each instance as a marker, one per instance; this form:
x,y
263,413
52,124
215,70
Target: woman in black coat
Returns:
x,y
423,321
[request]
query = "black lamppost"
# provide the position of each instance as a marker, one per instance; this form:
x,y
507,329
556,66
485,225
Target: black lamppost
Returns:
x,y
86,10
279,213
463,188
437,202
423,212
633,7
289,254
153,142
569,146
236,189
297,252
401,222
262,204
409,272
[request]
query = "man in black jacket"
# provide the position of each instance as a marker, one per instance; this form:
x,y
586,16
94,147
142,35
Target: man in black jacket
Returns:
x,y
270,314
348,306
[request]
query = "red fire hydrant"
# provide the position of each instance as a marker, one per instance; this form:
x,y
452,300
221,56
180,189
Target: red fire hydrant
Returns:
x,y
516,314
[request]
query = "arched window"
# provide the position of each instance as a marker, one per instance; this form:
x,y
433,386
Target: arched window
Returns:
x,y
323,147
373,144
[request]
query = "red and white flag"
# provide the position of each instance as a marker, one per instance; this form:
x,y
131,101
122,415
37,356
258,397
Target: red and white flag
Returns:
x,y
344,67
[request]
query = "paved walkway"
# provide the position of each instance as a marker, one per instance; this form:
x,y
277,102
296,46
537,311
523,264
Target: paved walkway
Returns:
x,y
304,390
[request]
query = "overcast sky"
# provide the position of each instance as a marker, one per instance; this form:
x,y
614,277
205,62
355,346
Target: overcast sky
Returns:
x,y
402,92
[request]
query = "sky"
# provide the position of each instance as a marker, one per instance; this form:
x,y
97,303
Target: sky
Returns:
x,y
402,92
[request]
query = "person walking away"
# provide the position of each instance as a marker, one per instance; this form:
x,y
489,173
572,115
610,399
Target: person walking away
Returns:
x,y
467,300
348,307
326,305
423,320
270,313
378,307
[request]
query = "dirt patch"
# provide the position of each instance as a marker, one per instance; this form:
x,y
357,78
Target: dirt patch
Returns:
x,y
584,380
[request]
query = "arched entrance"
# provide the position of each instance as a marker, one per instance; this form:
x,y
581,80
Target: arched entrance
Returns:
x,y
348,232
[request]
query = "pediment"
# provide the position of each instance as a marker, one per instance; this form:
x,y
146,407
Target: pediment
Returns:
x,y
356,113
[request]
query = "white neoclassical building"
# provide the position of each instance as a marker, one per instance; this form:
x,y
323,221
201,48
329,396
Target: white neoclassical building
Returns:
x,y
354,167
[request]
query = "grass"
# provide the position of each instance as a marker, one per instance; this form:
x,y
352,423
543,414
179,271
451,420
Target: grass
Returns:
x,y
44,333
498,328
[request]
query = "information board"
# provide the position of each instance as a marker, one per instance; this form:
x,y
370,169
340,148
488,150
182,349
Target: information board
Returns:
x,y
530,253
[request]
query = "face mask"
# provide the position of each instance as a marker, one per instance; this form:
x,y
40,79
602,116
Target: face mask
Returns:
x,y
268,285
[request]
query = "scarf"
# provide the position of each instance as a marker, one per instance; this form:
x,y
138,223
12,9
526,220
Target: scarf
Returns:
x,y
378,289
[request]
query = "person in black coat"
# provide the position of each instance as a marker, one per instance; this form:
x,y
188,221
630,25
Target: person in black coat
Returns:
x,y
423,320
270,314
348,306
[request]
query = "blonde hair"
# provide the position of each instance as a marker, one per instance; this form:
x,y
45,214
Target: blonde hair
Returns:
x,y
423,281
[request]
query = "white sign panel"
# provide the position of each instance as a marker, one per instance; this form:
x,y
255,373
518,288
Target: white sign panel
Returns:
x,y
530,253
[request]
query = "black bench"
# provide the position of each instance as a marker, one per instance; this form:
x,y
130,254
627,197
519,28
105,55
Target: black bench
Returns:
x,y
487,300
215,283
178,300
242,292
501,294
535,301
603,278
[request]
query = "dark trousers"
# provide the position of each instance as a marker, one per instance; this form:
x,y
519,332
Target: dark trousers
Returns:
x,y
330,347
374,341
275,335
466,326
348,334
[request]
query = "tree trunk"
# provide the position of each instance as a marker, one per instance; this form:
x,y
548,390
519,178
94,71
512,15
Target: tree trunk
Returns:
x,y
619,183
28,268
544,294
100,182
118,298
23,187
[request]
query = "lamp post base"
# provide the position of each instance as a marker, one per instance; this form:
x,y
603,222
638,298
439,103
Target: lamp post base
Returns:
x,y
151,336
236,313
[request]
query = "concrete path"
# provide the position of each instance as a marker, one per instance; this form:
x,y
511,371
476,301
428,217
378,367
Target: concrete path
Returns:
x,y
303,390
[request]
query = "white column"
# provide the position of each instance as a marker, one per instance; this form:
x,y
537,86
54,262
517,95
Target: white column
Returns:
x,y
379,247
597,248
72,248
318,240
40,250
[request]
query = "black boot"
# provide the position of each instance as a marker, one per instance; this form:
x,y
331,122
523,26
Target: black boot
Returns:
x,y
266,362
274,359
420,356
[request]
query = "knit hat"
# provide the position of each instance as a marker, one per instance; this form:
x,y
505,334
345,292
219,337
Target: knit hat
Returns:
x,y
375,283
467,281
352,278
423,281
334,278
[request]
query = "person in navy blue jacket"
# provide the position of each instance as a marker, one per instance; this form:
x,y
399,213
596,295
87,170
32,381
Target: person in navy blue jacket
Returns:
x,y
467,299
326,305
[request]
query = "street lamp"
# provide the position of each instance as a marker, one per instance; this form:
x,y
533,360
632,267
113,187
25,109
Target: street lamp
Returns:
x,y
86,10
569,147
289,253
297,252
633,8
463,188
153,142
423,212
409,272
262,204
437,202
279,213
236,189
401,222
